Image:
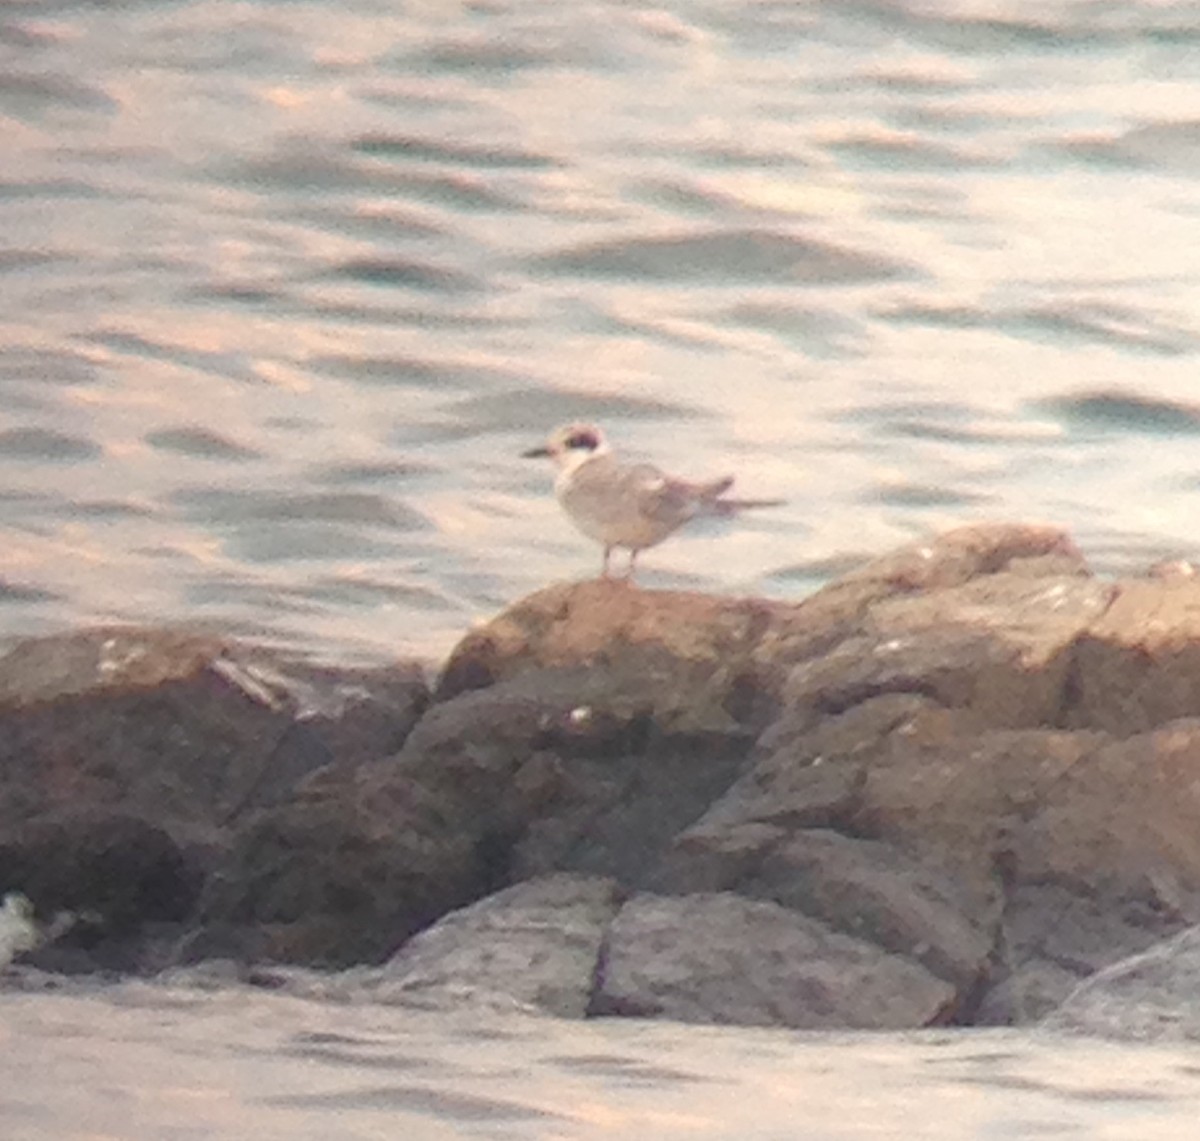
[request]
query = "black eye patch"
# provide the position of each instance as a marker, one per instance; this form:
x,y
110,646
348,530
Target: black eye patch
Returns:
x,y
584,440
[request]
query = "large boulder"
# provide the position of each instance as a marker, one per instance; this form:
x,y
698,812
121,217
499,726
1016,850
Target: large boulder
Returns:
x,y
692,657
1149,997
722,958
534,947
130,756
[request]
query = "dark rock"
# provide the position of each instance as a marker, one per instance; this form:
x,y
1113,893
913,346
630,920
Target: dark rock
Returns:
x,y
550,771
129,756
186,730
340,876
121,867
863,888
720,958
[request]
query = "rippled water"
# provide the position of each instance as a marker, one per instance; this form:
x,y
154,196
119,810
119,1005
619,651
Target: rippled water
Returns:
x,y
156,1063
285,288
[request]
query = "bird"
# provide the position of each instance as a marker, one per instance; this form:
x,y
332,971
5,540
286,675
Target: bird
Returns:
x,y
18,928
628,505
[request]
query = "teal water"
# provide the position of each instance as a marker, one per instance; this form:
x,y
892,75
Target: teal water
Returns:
x,y
285,288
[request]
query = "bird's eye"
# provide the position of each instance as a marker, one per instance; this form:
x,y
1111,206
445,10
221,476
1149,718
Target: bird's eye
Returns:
x,y
585,441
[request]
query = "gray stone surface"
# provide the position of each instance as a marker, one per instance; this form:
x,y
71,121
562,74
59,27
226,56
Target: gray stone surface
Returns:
x,y
721,958
536,945
1150,997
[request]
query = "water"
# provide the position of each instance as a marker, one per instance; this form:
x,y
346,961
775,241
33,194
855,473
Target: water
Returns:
x,y
285,288
158,1063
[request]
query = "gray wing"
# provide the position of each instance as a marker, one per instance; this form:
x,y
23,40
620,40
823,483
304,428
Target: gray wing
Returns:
x,y
662,497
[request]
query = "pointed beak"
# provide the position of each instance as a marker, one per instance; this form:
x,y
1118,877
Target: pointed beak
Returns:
x,y
535,453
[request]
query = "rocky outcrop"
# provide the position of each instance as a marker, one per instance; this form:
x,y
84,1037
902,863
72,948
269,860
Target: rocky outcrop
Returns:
x,y
943,789
550,771
130,757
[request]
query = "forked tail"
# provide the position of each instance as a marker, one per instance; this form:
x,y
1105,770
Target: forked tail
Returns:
x,y
711,494
733,506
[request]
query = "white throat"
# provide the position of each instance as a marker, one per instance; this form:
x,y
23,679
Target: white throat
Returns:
x,y
571,460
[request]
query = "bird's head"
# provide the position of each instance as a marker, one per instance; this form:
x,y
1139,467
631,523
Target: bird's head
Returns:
x,y
571,444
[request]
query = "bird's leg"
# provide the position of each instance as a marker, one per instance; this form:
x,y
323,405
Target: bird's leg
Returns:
x,y
607,553
632,564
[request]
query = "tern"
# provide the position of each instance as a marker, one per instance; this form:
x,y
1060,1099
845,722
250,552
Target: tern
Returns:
x,y
628,505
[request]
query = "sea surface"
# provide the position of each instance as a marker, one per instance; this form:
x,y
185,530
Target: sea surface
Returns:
x,y
164,1063
286,286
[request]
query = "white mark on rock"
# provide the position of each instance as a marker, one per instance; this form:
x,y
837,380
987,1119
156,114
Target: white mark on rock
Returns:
x,y
113,660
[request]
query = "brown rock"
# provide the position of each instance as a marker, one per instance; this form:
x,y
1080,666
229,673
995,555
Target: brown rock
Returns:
x,y
708,664
690,655
1138,665
185,729
841,610
1001,647
128,756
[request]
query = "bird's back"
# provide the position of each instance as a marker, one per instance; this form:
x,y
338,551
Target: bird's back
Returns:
x,y
625,505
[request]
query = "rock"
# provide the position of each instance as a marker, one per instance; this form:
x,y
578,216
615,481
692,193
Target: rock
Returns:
x,y
1151,997
718,958
550,771
1107,862
862,888
1021,998
1035,842
690,656
843,608
340,876
945,788
185,729
707,663
905,789
128,756
1138,666
535,945
1000,647
121,867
